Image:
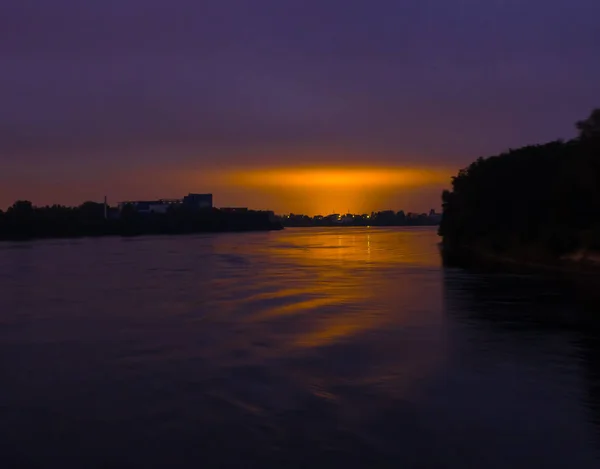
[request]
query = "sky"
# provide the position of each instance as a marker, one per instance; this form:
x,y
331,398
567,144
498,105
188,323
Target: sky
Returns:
x,y
305,106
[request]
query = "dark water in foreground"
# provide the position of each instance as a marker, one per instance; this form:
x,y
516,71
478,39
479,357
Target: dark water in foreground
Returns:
x,y
303,348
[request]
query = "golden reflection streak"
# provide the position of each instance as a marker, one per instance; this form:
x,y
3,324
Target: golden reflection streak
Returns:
x,y
279,294
333,332
379,309
339,261
299,307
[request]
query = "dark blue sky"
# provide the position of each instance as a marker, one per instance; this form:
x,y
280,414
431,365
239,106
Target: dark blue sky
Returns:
x,y
96,93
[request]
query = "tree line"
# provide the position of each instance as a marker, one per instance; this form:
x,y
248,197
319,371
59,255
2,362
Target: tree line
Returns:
x,y
536,201
25,221
382,218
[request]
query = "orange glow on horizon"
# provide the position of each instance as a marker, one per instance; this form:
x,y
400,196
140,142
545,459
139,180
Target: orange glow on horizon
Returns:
x,y
324,190
314,190
339,177
308,189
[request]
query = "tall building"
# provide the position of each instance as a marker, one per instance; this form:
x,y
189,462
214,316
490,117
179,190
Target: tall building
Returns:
x,y
200,201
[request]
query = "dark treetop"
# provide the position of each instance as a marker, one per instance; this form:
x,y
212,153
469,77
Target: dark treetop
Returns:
x,y
540,202
24,221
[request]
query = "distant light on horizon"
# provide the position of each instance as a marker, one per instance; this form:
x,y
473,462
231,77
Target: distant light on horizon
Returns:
x,y
311,190
340,177
325,190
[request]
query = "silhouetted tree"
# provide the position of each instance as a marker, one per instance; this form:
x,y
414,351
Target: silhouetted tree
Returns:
x,y
589,129
537,201
22,220
21,208
92,210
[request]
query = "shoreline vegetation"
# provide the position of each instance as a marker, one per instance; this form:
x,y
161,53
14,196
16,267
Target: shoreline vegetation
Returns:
x,y
23,221
538,205
382,218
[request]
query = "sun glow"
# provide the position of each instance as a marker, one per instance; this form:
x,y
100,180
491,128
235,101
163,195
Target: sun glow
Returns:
x,y
339,177
314,190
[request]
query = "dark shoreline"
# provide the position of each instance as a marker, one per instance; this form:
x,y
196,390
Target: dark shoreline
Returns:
x,y
471,257
25,222
359,226
134,233
536,206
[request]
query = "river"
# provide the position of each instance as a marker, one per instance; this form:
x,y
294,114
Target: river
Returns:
x,y
336,347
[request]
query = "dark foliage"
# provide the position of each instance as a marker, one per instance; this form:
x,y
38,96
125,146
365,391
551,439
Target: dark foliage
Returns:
x,y
24,221
540,200
384,218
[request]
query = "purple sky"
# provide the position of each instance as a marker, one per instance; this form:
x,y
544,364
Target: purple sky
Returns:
x,y
123,96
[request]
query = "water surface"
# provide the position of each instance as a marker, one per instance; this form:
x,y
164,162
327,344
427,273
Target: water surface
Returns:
x,y
340,347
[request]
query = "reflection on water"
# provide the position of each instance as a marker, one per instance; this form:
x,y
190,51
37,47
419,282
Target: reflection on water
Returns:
x,y
523,340
346,347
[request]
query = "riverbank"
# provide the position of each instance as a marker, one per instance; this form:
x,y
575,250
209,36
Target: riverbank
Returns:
x,y
586,262
129,234
65,223
536,205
